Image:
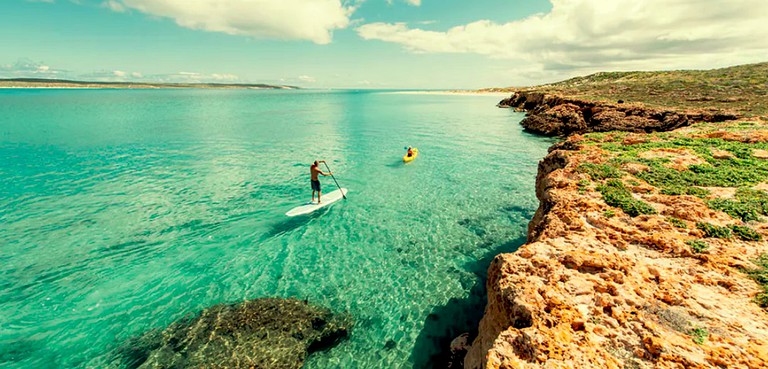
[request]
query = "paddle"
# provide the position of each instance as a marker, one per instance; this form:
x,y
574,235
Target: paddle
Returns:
x,y
334,179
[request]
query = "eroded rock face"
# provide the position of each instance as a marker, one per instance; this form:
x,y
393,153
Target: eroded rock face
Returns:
x,y
261,333
557,116
591,291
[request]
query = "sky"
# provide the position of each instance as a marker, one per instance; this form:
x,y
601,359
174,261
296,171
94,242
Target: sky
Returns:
x,y
377,44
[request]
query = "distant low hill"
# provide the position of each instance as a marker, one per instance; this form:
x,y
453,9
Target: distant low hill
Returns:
x,y
742,89
62,83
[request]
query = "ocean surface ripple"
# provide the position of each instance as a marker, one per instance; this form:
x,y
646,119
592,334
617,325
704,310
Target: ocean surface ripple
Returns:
x,y
124,210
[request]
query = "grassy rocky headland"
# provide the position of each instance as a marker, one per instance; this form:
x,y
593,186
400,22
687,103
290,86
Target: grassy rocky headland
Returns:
x,y
649,245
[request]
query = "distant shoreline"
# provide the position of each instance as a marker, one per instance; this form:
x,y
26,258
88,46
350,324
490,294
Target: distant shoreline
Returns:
x,y
33,83
455,92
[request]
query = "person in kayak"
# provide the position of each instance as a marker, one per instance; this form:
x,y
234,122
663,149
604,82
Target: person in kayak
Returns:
x,y
410,151
313,172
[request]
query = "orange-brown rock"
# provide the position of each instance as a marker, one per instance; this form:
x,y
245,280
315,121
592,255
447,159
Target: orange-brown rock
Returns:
x,y
591,291
751,136
760,154
680,159
560,116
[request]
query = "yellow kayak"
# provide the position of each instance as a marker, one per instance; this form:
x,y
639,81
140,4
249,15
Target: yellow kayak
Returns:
x,y
409,159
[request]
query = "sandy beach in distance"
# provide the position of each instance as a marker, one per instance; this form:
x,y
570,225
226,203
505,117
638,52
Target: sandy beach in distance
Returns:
x,y
455,92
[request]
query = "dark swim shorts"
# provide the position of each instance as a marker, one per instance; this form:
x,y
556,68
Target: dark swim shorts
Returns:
x,y
315,185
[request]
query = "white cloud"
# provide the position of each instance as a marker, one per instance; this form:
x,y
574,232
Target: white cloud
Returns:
x,y
313,20
26,68
29,68
307,79
411,2
583,35
224,77
194,77
114,6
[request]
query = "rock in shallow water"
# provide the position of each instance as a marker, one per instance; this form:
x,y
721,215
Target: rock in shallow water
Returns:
x,y
261,333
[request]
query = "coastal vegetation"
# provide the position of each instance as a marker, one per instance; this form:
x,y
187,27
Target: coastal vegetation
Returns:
x,y
677,223
760,275
691,163
714,231
699,335
742,89
616,194
745,233
747,205
599,171
698,246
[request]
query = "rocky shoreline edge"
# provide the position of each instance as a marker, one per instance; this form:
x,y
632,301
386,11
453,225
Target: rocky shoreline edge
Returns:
x,y
554,115
641,251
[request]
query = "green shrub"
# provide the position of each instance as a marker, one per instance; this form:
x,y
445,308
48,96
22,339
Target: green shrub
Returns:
x,y
678,223
599,172
743,170
609,213
583,186
616,195
699,335
746,233
739,210
685,190
698,246
760,275
698,192
711,230
748,205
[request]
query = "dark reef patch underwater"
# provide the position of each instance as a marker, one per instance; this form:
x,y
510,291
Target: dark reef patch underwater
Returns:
x,y
260,333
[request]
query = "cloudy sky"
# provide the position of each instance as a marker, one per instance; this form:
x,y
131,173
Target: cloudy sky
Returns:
x,y
373,43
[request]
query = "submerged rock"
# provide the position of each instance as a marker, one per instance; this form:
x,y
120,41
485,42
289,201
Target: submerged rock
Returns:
x,y
459,347
261,333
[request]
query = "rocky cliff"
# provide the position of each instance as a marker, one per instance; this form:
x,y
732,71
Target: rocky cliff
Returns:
x,y
554,115
641,251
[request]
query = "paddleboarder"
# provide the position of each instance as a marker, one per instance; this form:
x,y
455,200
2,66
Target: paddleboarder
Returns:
x,y
314,170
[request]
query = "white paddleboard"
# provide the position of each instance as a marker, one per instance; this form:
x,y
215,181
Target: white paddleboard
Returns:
x,y
327,199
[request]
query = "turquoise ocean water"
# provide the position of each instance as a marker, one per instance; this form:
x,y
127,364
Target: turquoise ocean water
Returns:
x,y
124,210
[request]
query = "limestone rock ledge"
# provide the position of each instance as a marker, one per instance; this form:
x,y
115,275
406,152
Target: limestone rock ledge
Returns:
x,y
590,291
554,115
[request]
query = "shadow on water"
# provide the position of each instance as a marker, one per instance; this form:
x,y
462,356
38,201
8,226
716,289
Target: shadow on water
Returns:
x,y
291,223
458,316
397,164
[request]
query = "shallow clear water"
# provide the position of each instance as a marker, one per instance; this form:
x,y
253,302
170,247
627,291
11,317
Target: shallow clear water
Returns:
x,y
123,210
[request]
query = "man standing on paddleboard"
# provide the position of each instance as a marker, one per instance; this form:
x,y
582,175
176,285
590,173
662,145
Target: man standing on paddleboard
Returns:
x,y
313,172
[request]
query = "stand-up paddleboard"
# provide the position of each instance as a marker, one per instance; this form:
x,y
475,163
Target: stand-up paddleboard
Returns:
x,y
327,199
